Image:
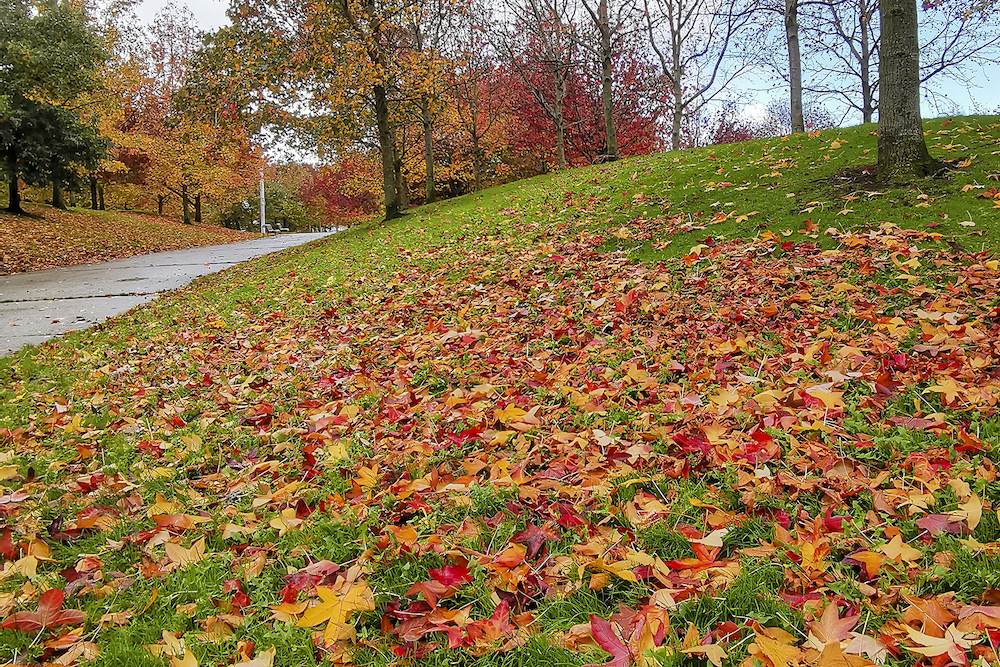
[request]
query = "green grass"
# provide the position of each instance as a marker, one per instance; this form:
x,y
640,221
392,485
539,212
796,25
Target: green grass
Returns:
x,y
662,328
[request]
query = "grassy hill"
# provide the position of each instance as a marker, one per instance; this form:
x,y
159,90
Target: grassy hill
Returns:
x,y
48,237
735,405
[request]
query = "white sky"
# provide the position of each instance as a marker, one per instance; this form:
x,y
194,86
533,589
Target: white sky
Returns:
x,y
210,14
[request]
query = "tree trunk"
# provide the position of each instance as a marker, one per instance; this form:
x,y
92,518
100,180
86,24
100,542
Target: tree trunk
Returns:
x,y
475,163
100,196
901,146
14,201
677,115
57,194
560,94
197,208
611,137
160,200
185,204
428,123
867,93
399,181
93,193
387,148
794,64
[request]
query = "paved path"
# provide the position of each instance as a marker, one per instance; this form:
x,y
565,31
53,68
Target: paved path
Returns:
x,y
38,305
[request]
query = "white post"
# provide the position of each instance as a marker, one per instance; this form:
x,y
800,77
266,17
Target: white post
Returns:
x,y
261,202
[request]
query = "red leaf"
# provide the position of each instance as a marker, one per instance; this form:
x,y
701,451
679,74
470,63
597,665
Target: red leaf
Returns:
x,y
451,575
534,538
604,635
49,614
431,590
7,548
938,523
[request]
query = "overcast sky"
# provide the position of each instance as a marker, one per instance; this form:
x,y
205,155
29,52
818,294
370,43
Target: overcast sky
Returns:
x,y
211,14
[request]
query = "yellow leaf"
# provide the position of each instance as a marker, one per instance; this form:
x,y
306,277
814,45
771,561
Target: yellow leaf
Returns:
x,y
971,511
897,549
185,557
336,608
780,654
948,388
286,521
510,414
263,659
187,661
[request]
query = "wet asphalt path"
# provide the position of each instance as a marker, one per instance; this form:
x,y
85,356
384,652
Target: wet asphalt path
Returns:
x,y
38,305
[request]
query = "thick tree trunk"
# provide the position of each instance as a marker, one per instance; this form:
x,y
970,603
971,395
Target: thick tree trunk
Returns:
x,y
14,201
185,204
93,193
794,64
57,194
428,123
160,200
607,78
901,146
100,196
197,208
387,148
402,188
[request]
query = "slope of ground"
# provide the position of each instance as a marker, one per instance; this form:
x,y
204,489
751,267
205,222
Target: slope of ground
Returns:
x,y
495,433
48,237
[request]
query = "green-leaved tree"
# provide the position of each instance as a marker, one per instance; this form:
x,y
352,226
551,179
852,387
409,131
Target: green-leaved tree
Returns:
x,y
48,58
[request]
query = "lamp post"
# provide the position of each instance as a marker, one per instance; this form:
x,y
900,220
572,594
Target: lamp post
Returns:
x,y
261,201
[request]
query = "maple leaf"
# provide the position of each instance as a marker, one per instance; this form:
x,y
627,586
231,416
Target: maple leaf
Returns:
x,y
831,628
954,644
452,575
534,538
49,615
947,388
184,557
431,590
263,659
777,646
942,523
897,550
604,634
336,608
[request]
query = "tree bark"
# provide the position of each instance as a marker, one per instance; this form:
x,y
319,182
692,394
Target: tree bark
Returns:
x,y
93,193
560,95
57,194
475,163
387,148
197,208
902,149
14,201
160,200
428,123
185,204
607,77
100,196
794,64
867,92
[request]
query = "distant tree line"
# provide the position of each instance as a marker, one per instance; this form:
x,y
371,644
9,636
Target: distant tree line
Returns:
x,y
404,101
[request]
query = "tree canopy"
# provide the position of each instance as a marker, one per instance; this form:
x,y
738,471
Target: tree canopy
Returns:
x,y
49,59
